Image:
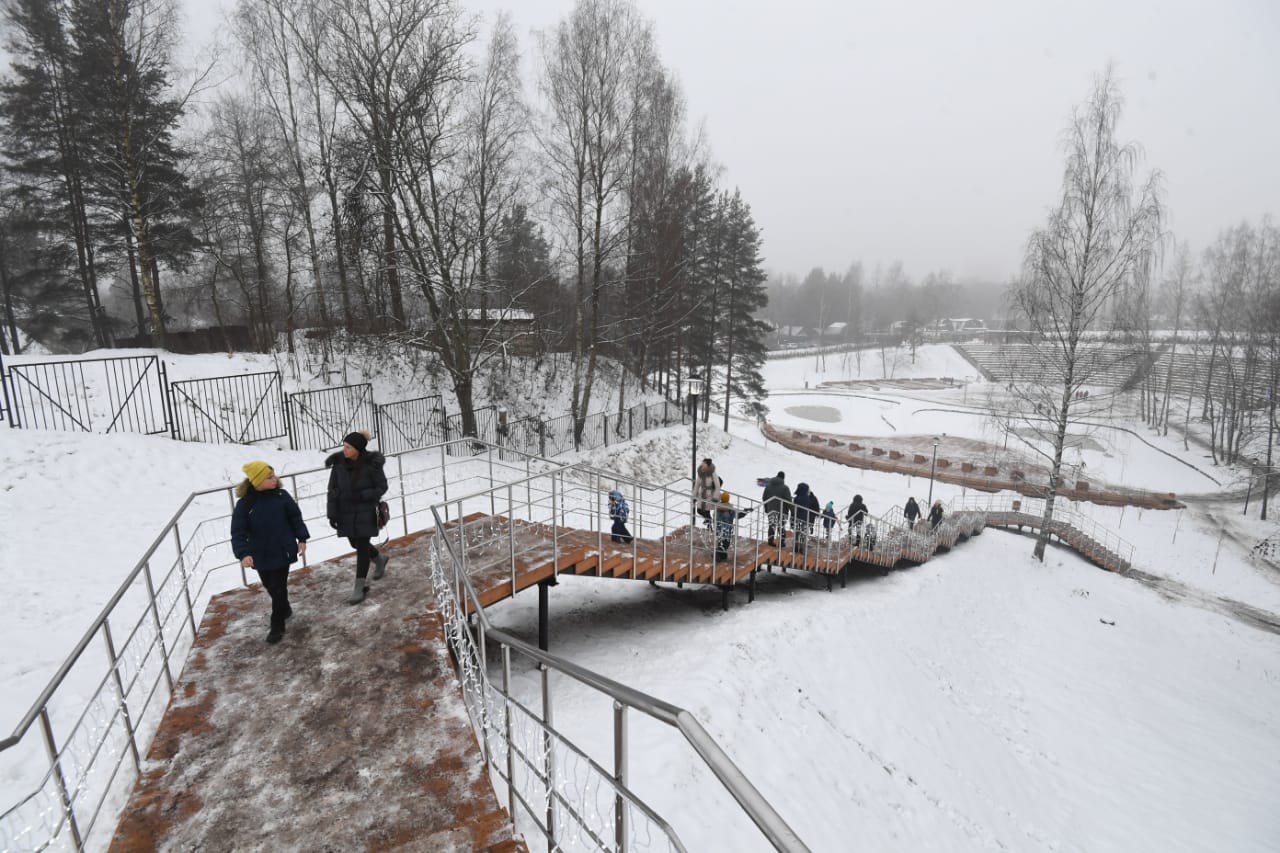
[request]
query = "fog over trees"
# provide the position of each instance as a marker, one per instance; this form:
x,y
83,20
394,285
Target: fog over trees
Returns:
x,y
390,168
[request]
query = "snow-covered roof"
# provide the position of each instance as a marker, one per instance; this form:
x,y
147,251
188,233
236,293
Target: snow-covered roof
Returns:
x,y
505,315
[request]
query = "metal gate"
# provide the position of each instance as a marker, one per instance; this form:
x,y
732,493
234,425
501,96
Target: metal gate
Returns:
x,y
6,410
409,424
486,429
238,409
319,419
124,394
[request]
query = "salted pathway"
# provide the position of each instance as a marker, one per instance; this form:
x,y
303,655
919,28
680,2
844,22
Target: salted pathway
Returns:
x,y
350,734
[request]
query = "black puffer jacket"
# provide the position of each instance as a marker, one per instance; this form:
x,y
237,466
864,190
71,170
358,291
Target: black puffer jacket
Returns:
x,y
355,487
268,527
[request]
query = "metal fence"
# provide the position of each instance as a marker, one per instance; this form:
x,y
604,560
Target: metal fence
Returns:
x,y
239,409
319,419
125,394
410,424
556,436
485,429
132,394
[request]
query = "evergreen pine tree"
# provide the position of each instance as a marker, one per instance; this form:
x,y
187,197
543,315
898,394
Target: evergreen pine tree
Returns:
x,y
743,293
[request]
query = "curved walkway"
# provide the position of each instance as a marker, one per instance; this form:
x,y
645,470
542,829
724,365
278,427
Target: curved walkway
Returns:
x,y
987,478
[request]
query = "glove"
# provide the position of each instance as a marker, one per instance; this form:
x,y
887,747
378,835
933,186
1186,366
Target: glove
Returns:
x,y
333,522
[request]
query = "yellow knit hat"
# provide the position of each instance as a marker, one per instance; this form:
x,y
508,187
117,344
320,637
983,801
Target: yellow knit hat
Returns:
x,y
257,471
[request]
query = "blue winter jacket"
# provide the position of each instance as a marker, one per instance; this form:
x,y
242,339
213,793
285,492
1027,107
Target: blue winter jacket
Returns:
x,y
268,527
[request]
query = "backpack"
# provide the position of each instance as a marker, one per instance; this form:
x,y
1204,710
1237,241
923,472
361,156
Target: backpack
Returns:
x,y
383,514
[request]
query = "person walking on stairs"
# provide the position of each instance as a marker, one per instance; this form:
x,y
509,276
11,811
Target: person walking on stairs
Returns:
x,y
856,516
706,490
778,505
268,535
618,512
912,512
726,525
356,484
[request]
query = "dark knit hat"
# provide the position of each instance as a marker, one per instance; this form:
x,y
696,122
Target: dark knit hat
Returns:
x,y
358,440
782,475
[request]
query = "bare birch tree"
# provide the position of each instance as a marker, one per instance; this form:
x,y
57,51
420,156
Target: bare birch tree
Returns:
x,y
1103,228
593,65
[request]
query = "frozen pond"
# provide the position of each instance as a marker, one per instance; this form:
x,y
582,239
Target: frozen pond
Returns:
x,y
823,414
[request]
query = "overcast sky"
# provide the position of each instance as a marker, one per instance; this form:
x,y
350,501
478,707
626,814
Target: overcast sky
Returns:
x,y
929,131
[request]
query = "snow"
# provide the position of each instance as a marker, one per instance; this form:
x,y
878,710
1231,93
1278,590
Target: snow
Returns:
x,y
980,701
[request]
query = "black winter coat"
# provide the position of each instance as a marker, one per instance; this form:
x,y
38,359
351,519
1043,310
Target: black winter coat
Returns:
x,y
268,527
911,510
807,507
355,487
777,496
857,512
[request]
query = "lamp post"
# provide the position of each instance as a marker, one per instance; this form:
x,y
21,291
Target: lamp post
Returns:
x,y
933,468
695,391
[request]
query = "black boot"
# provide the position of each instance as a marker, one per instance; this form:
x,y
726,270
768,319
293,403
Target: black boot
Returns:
x,y
276,634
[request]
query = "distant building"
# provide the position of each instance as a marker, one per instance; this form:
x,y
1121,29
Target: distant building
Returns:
x,y
791,337
835,331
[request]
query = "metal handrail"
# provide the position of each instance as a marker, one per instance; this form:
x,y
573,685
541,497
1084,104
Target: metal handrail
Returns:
x,y
757,808
79,778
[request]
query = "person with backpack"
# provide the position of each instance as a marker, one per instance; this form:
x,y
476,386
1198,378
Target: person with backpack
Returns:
x,y
777,503
356,485
935,515
618,513
856,516
268,535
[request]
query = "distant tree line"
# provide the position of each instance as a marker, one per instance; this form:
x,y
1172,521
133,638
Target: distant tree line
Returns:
x,y
374,167
873,302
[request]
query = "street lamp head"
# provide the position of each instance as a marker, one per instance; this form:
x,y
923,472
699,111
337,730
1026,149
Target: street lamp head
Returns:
x,y
695,385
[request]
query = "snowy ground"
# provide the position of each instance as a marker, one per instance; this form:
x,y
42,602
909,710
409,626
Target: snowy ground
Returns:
x,y
981,701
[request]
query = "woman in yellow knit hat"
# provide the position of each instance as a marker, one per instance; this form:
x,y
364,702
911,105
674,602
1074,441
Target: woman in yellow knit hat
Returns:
x,y
268,535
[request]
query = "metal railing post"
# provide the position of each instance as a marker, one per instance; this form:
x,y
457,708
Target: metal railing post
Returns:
x,y
555,526
404,501
443,479
511,753
511,539
186,587
155,613
549,761
664,535
484,695
56,764
124,702
620,774
492,506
